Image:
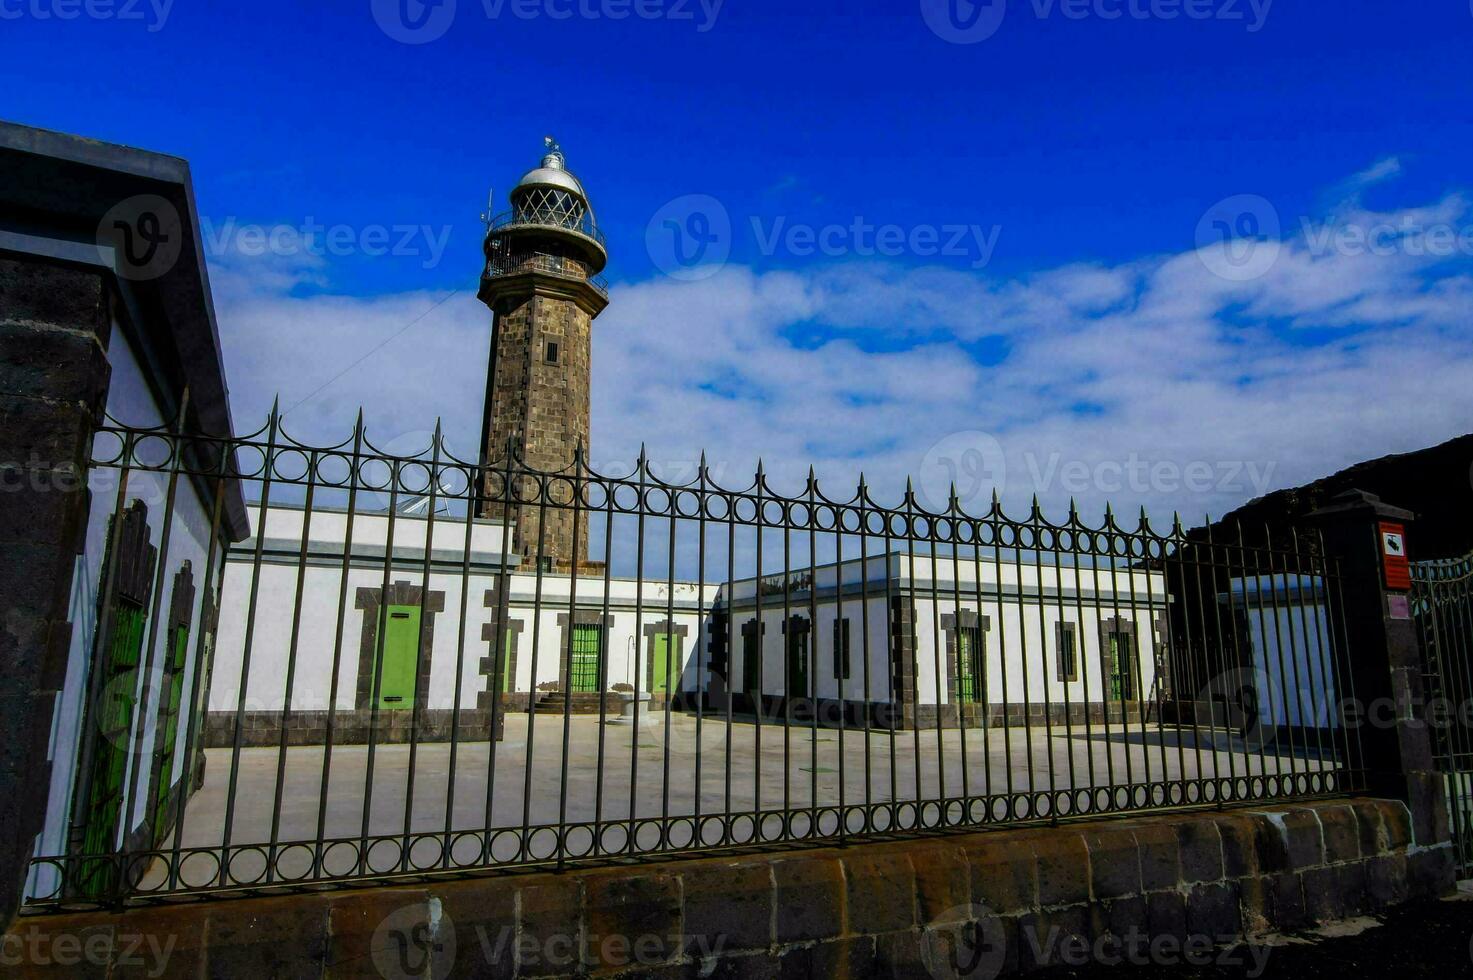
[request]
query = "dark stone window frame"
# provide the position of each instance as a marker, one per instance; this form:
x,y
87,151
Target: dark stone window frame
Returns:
x,y
951,625
652,630
565,624
1116,625
1070,629
489,634
401,593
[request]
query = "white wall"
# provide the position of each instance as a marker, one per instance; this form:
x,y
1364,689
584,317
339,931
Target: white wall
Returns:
x,y
1020,639
271,624
1292,666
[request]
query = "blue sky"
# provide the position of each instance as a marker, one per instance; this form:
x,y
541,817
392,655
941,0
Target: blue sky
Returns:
x,y
1079,150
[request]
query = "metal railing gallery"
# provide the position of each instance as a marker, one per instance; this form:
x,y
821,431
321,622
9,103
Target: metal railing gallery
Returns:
x,y
374,683
1442,606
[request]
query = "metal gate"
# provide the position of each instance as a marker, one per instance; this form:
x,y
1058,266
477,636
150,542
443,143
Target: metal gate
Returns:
x,y
1442,601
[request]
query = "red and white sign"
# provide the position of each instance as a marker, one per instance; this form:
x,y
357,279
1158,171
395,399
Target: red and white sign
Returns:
x,y
1394,557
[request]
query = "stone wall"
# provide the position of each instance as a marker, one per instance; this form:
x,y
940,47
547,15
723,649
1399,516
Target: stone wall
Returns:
x,y
54,330
1002,901
351,727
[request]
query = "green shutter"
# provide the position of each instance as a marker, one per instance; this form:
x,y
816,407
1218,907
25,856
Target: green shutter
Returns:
x,y
506,651
969,664
666,657
114,727
399,665
587,653
169,719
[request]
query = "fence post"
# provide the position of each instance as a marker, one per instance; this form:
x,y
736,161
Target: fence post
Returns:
x,y
1384,660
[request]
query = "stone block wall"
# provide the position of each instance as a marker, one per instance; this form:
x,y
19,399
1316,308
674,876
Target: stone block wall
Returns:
x,y
1003,901
55,324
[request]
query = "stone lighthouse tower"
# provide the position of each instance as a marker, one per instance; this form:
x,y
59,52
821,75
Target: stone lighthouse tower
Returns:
x,y
541,282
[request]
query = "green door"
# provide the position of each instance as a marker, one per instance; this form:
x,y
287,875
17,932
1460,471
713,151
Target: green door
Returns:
x,y
505,668
114,728
169,719
1120,666
667,659
797,663
587,654
400,658
969,665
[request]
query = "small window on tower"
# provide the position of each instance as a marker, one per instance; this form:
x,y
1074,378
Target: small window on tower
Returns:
x,y
552,352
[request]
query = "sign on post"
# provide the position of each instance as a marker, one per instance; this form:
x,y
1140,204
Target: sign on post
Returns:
x,y
1398,569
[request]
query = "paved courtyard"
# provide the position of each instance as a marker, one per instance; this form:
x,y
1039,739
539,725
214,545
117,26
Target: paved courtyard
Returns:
x,y
878,766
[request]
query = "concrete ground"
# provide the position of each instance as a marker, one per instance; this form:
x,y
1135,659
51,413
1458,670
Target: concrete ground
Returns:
x,y
529,766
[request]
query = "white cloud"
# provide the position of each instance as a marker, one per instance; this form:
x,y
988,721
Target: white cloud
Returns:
x,y
1328,359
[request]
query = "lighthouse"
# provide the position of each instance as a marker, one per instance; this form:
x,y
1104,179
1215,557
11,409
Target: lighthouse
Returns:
x,y
541,281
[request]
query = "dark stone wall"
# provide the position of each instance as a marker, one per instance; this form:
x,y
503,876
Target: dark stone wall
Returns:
x,y
264,728
54,331
878,909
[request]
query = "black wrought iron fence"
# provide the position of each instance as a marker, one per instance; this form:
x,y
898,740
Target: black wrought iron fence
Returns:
x,y
409,665
1442,602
